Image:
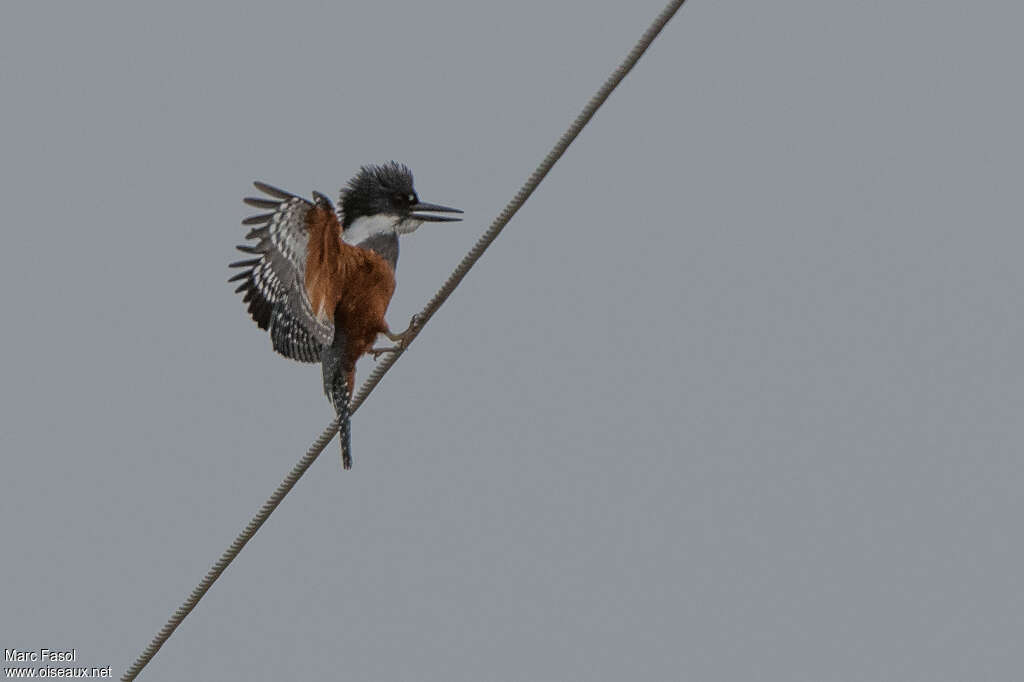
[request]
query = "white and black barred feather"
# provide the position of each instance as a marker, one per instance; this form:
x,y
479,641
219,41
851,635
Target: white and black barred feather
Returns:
x,y
273,282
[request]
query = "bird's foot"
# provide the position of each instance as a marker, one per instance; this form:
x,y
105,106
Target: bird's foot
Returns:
x,y
415,323
377,352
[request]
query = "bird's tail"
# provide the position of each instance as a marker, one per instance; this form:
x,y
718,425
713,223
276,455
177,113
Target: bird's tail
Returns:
x,y
336,387
341,406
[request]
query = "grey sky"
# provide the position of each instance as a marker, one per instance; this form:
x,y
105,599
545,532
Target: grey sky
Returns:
x,y
736,396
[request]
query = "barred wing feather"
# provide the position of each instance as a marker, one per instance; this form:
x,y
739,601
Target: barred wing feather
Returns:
x,y
273,281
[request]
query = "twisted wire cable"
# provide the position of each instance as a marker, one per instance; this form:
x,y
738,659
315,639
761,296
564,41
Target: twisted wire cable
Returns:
x,y
421,319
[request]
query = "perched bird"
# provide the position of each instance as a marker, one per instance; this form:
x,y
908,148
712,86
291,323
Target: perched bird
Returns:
x,y
322,278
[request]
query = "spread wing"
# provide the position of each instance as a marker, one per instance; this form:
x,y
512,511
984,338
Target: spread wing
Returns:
x,y
273,282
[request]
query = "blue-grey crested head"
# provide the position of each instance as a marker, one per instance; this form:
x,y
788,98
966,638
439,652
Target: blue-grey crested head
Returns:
x,y
384,189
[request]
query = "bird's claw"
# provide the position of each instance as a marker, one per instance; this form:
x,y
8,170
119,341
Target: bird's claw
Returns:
x,y
377,352
414,323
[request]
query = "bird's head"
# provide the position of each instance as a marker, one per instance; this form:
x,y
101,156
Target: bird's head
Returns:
x,y
387,192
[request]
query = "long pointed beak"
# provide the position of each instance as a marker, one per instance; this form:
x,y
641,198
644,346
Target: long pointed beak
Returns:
x,y
418,214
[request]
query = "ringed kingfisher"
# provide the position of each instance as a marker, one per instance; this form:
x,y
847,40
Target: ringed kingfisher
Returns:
x,y
321,278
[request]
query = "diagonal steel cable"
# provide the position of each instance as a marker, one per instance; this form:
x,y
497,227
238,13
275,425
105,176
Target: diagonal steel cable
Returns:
x,y
421,319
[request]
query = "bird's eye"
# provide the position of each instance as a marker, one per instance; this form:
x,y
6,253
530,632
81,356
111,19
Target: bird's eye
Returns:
x,y
412,198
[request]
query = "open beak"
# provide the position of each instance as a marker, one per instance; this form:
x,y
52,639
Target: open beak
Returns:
x,y
418,213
